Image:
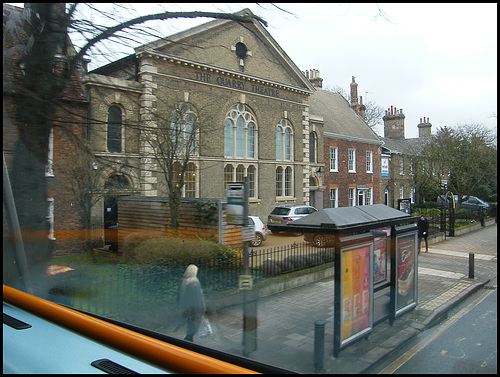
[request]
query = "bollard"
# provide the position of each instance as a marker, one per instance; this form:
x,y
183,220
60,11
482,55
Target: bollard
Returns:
x,y
471,265
319,346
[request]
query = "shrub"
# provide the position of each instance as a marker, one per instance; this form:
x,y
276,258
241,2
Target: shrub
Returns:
x,y
178,252
285,266
313,260
132,240
297,261
270,268
328,255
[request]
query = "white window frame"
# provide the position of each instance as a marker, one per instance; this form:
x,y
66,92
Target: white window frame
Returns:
x,y
369,161
183,131
369,196
351,160
351,196
334,198
401,192
284,181
401,165
334,159
188,180
284,141
250,138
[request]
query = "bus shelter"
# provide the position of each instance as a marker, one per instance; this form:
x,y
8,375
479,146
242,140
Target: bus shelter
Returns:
x,y
376,266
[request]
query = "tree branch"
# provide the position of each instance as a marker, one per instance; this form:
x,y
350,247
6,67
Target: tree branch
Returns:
x,y
163,16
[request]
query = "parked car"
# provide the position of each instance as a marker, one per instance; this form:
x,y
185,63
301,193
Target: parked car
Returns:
x,y
320,240
282,215
472,203
260,230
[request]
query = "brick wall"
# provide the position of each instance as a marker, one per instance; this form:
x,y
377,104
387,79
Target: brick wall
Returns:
x,y
343,179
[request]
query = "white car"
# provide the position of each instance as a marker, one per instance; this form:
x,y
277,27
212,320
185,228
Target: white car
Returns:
x,y
260,230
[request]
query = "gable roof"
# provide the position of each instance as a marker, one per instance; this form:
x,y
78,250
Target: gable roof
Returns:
x,y
162,45
341,121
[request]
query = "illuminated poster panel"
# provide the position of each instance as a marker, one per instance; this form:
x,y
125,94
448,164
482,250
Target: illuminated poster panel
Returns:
x,y
406,282
379,260
357,288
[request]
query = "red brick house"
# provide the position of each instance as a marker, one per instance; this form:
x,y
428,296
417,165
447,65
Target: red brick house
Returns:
x,y
68,128
352,173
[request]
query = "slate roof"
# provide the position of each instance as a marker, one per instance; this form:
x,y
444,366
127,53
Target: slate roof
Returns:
x,y
411,146
341,121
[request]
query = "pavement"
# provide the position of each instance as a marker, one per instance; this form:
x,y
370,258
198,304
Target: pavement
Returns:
x,y
285,332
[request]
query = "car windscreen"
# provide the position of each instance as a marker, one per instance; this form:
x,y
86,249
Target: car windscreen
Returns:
x,y
280,211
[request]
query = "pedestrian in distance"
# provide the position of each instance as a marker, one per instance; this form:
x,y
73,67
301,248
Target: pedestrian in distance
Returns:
x,y
423,232
190,302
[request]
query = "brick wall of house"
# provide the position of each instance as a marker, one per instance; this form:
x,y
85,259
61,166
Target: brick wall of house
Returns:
x,y
342,179
69,124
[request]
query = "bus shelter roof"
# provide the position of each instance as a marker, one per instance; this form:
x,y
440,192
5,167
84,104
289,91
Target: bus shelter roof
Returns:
x,y
350,220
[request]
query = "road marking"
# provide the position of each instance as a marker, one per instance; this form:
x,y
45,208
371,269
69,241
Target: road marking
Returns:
x,y
404,358
461,255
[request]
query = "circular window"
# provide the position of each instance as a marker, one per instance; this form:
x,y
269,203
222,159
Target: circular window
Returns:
x,y
241,50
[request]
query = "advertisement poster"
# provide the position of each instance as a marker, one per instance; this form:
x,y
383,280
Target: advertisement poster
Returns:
x,y
355,291
379,260
406,273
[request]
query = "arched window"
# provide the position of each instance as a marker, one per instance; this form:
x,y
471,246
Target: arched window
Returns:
x,y
313,147
239,133
182,128
114,129
284,141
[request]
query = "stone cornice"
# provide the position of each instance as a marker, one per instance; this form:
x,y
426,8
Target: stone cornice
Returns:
x,y
208,68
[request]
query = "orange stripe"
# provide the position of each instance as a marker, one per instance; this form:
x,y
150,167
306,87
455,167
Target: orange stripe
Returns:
x,y
161,354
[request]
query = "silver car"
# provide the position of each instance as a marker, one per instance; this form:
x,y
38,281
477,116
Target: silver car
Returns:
x,y
282,215
260,230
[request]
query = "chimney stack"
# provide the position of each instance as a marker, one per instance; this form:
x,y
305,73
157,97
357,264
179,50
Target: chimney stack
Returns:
x,y
424,128
394,123
313,76
358,107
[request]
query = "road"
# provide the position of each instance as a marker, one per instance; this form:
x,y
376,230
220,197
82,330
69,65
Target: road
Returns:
x,y
465,342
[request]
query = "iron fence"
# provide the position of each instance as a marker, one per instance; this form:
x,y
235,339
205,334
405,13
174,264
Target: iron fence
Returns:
x,y
121,291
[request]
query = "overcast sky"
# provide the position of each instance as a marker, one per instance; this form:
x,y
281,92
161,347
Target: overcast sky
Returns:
x,y
431,60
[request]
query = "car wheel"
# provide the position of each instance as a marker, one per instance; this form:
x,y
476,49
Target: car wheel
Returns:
x,y
257,241
319,241
274,230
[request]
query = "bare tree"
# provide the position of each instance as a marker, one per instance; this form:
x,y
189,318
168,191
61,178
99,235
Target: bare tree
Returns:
x,y
42,62
175,139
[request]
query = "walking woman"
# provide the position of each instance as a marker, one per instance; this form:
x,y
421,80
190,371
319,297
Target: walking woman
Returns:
x,y
190,302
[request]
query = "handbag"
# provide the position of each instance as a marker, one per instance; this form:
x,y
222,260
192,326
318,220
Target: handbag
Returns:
x,y
205,328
